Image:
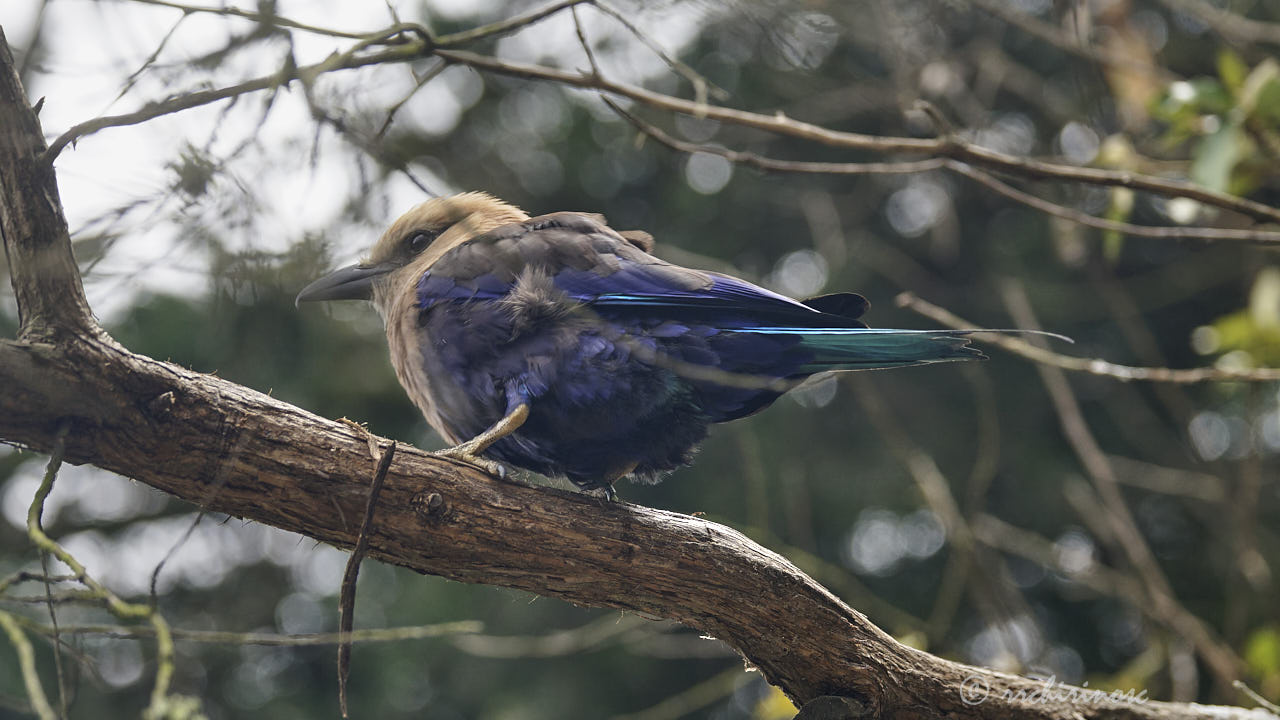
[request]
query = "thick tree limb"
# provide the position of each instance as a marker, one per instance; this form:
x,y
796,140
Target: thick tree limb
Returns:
x,y
172,428
240,452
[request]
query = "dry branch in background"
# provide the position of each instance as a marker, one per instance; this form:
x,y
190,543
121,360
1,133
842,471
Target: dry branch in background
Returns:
x,y
1093,366
404,42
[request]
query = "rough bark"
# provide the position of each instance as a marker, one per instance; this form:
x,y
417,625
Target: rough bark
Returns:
x,y
234,450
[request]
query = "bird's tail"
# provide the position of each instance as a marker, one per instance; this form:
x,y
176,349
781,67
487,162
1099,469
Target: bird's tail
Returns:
x,y
871,348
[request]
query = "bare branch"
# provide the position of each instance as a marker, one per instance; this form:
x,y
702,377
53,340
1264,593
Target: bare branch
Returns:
x,y
347,596
767,164
1228,24
1084,218
1114,511
1093,366
1038,28
186,101
27,664
221,637
773,165
702,88
691,699
272,20
586,44
114,603
505,27
403,48
946,147
1000,535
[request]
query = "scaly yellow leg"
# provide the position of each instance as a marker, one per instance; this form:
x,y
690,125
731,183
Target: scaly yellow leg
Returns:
x,y
469,451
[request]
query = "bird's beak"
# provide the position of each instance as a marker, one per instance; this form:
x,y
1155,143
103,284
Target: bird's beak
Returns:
x,y
354,282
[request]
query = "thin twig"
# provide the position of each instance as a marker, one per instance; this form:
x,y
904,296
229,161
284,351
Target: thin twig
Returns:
x,y
505,27
774,165
767,164
1000,535
1038,28
25,576
954,148
934,488
54,461
370,147
118,607
186,101
1254,696
607,630
1228,24
57,639
132,80
1084,218
1093,366
960,566
702,88
347,598
273,19
404,48
419,83
27,664
219,637
582,40
1220,658
693,698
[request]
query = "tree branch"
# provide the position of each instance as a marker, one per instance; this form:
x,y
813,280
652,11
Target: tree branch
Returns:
x,y
36,241
165,426
1047,207
403,48
1230,25
1093,366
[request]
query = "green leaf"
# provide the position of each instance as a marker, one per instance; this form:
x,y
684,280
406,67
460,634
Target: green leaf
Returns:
x,y
1262,651
1119,210
1232,69
1267,106
1216,157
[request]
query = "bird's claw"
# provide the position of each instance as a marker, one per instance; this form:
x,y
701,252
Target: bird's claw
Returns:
x,y
464,454
604,492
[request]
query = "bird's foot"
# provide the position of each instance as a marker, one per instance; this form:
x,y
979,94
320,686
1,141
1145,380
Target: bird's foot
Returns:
x,y
603,492
466,453
469,451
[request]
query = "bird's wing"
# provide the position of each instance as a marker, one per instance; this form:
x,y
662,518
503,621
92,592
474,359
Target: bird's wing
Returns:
x,y
699,318
594,265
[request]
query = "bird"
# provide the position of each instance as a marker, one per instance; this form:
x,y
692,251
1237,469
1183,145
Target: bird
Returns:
x,y
561,346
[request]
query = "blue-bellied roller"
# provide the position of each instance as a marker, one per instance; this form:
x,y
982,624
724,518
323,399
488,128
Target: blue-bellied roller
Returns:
x,y
559,345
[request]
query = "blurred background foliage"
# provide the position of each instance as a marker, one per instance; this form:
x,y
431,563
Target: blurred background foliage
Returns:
x,y
195,231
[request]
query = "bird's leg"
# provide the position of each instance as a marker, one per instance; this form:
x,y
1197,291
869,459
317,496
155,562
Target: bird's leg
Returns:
x,y
469,451
604,488
603,492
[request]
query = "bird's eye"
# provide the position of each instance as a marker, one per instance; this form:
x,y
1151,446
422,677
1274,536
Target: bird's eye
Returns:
x,y
419,241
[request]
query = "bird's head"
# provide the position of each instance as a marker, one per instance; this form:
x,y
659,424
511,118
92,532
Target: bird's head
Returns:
x,y
410,246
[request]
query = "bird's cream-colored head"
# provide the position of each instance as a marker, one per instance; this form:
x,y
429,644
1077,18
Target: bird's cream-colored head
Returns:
x,y
420,237
411,245
389,277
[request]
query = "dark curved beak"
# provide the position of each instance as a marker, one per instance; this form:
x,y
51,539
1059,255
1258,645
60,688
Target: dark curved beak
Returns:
x,y
354,282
